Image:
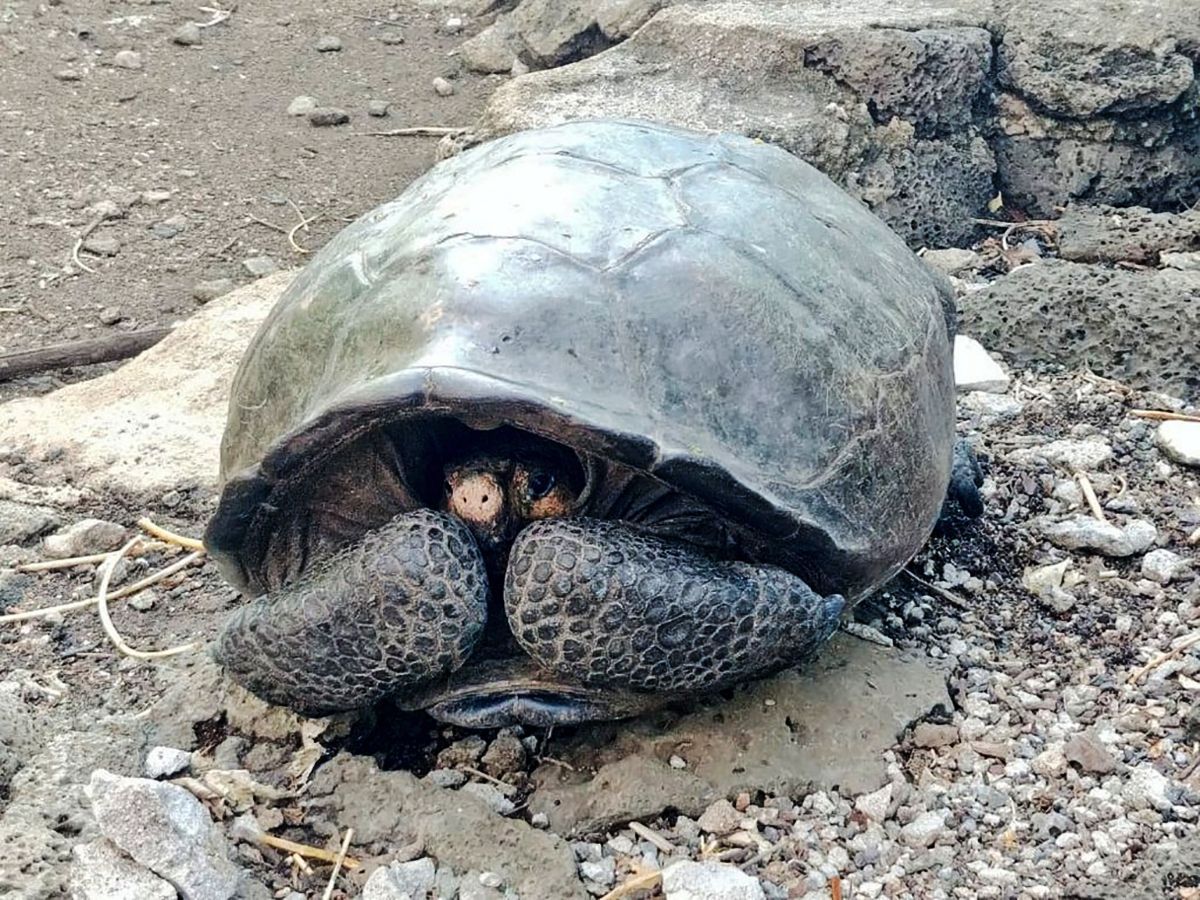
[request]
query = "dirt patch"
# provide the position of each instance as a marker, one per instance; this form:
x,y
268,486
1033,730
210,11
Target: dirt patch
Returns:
x,y
192,143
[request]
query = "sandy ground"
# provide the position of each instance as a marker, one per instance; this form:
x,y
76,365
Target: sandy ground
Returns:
x,y
194,143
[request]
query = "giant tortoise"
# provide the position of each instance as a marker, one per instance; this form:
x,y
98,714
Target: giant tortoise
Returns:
x,y
590,418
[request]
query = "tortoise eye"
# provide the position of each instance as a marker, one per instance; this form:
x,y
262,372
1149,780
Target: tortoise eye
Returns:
x,y
541,483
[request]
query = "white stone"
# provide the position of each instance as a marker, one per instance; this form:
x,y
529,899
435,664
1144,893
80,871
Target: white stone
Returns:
x,y
1089,533
1045,579
1162,565
990,407
1147,786
168,831
1051,762
85,537
974,368
163,762
1180,441
398,880
302,106
875,805
720,818
1084,455
100,871
922,831
686,880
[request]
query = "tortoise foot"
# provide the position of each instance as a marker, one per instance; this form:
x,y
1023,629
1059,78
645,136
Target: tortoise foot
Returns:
x,y
963,500
605,604
401,607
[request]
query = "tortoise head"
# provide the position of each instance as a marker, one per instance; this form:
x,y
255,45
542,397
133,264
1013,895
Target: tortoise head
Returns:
x,y
499,490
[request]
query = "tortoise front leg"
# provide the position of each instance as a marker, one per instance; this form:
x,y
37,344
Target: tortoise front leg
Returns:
x,y
606,604
404,605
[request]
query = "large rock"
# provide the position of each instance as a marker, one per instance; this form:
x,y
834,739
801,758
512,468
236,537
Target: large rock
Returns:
x,y
1096,101
156,422
1100,101
457,829
167,830
102,872
1137,327
824,726
542,33
876,95
1134,234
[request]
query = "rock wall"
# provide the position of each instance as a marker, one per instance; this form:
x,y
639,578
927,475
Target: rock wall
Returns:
x,y
924,111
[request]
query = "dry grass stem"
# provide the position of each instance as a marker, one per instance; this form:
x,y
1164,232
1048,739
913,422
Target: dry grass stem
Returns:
x,y
946,595
70,562
168,536
337,864
128,591
303,850
106,621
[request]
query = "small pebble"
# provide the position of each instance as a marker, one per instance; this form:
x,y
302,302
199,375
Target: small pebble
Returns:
x,y
110,315
69,75
453,25
187,34
329,44
163,762
207,291
102,245
302,105
128,59
325,116
377,108
442,87
392,37
260,266
678,762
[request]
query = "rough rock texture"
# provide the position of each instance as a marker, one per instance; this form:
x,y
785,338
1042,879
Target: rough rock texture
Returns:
x,y
1101,102
155,422
1135,234
456,829
709,881
20,732
48,810
1096,101
543,33
629,789
826,725
100,871
167,830
808,78
1138,327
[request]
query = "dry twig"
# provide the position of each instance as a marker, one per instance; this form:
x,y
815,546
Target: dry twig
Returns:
x,y
643,882
652,836
946,595
416,131
505,788
1163,416
70,562
1089,494
1189,641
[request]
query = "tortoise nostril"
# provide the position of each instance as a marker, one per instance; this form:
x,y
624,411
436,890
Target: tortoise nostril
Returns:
x,y
485,498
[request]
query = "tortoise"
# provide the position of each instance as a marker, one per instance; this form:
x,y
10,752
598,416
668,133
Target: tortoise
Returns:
x,y
591,418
